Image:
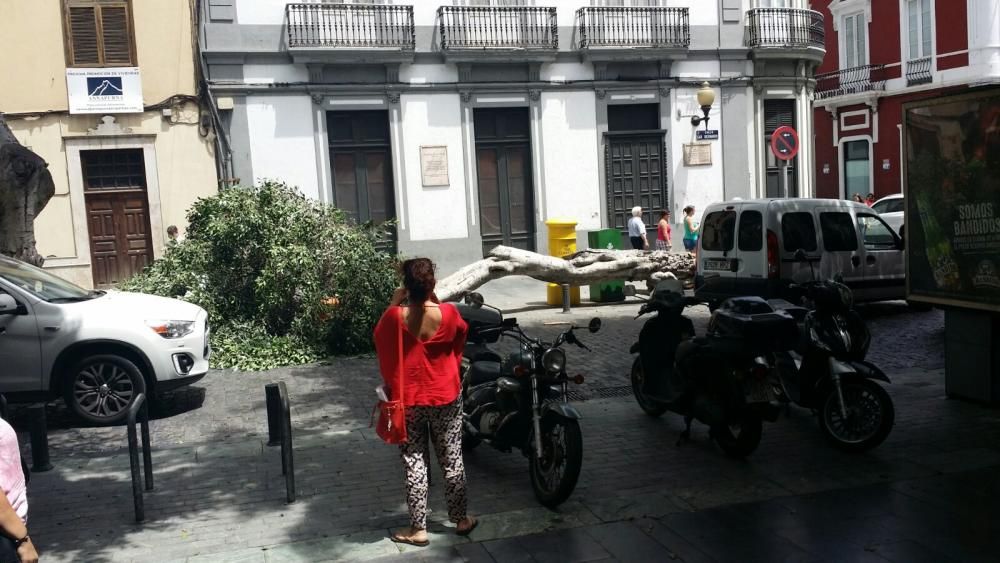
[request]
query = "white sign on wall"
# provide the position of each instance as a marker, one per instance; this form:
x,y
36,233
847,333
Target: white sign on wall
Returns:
x,y
434,166
104,90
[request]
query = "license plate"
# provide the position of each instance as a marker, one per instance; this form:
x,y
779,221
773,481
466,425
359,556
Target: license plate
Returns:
x,y
711,264
759,392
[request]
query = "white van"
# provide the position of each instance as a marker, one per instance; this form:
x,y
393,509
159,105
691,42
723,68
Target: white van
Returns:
x,y
747,247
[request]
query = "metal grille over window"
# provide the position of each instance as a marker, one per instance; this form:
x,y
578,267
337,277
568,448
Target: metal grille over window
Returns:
x,y
633,27
506,27
350,25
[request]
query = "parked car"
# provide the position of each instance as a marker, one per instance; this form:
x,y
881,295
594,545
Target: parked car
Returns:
x,y
890,209
96,349
748,248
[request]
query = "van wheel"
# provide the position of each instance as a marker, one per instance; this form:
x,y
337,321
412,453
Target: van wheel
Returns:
x,y
100,389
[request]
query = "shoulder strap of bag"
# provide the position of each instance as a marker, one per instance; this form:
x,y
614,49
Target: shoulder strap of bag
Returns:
x,y
400,353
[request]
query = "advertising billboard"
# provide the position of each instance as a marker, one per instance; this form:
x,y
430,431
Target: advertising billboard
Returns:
x,y
952,193
104,90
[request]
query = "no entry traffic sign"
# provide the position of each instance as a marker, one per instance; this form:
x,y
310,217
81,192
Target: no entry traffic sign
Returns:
x,y
785,143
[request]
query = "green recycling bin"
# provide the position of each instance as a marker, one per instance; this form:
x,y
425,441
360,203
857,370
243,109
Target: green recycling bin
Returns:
x,y
606,239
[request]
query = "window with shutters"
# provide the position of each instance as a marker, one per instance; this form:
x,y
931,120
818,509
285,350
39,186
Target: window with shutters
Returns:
x,y
99,33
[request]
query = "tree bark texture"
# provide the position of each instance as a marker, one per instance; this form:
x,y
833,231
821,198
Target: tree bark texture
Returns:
x,y
582,268
25,188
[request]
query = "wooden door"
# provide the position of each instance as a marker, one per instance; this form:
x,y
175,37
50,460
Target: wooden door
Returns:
x,y
362,168
117,214
503,171
635,176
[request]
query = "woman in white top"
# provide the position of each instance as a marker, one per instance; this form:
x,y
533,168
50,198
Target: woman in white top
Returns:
x,y
637,230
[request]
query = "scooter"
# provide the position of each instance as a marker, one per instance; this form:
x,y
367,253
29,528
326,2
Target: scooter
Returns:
x,y
827,371
722,379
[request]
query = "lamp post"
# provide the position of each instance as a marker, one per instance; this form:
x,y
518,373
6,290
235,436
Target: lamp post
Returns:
x,y
706,97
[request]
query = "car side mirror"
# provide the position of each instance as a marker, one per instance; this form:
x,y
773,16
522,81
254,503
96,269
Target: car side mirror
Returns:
x,y
594,325
800,255
901,243
10,307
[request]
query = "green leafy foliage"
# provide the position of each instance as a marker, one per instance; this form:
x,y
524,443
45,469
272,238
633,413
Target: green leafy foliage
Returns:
x,y
262,261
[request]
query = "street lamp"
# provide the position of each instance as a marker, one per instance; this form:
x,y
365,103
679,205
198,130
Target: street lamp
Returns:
x,y
706,97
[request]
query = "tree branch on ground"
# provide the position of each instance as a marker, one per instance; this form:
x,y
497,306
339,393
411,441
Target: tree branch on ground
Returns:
x,y
581,268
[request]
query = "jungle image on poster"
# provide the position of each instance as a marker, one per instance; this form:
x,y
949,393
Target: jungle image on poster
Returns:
x,y
953,200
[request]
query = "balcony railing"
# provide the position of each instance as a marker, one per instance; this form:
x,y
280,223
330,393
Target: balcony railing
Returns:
x,y
501,27
784,27
633,27
350,26
918,71
856,80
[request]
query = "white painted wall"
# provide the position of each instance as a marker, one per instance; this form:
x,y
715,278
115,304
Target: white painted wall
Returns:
x,y
570,158
428,73
695,185
565,72
434,213
261,12
274,73
282,145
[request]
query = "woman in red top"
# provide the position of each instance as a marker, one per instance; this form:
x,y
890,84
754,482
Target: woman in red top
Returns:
x,y
663,232
433,340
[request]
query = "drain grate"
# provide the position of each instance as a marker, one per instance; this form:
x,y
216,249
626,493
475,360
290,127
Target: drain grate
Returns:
x,y
602,393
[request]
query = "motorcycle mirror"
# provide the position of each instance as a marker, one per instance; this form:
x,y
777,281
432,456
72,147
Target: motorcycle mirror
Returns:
x,y
629,290
800,255
838,277
510,322
474,299
594,325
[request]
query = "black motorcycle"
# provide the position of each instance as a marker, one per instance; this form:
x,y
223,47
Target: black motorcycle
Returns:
x,y
827,372
519,401
722,379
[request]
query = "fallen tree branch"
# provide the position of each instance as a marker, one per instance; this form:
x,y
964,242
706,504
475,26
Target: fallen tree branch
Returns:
x,y
582,268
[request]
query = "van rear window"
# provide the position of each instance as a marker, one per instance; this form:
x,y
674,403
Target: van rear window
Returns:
x,y
718,232
798,231
838,231
751,231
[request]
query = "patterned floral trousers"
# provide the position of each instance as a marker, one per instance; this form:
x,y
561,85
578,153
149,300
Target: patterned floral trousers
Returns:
x,y
443,424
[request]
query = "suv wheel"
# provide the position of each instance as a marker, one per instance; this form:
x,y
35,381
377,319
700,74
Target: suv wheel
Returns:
x,y
100,389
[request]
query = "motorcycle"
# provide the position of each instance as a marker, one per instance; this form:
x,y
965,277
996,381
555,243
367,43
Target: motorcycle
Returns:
x,y
723,379
827,371
520,401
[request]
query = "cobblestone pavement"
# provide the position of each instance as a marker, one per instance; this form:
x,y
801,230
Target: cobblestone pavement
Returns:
x,y
219,491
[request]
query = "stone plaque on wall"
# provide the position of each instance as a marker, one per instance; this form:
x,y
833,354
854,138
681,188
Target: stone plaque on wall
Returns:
x,y
434,166
697,154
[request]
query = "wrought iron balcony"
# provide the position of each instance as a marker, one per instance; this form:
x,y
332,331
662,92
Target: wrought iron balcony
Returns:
x,y
918,71
626,28
505,28
856,80
350,26
784,28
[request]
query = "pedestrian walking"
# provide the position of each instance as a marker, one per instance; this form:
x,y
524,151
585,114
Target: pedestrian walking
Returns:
x,y
870,200
419,342
663,241
637,230
858,199
690,229
15,544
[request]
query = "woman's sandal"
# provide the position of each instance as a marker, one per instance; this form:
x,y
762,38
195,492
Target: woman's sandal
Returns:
x,y
397,538
467,531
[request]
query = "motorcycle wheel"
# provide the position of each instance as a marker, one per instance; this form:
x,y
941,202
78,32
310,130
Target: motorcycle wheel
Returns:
x,y
741,439
870,416
554,475
652,407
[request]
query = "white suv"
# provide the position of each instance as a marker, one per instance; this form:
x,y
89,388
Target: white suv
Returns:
x,y
97,349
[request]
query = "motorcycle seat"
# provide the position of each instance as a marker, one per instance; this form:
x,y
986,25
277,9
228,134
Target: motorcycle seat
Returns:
x,y
483,372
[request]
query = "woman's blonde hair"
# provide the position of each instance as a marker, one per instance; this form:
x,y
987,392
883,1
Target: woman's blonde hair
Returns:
x,y
636,211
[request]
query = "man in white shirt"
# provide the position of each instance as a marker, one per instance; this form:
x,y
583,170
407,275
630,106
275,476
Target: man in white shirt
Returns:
x,y
637,230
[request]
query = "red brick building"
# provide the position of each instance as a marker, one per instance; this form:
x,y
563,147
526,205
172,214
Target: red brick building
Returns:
x,y
879,55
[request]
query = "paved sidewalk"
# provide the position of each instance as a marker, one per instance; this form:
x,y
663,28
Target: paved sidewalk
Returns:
x,y
220,494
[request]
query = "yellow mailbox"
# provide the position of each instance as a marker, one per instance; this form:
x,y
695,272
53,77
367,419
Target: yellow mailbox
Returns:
x,y
562,241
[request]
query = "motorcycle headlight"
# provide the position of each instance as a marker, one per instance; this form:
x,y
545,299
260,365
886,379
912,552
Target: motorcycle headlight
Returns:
x,y
554,360
171,329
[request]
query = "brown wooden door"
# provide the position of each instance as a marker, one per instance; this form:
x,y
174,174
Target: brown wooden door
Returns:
x,y
117,214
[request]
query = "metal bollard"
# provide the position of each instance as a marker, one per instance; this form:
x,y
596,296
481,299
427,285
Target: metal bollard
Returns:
x,y
147,455
287,461
272,399
39,439
566,298
133,458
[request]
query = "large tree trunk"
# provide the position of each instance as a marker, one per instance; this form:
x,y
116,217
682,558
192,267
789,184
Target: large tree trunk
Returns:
x,y
25,188
581,268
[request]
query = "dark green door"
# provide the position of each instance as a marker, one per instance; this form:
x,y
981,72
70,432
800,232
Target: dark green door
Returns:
x,y
362,168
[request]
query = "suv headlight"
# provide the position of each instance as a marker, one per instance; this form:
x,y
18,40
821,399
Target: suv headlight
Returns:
x,y
171,329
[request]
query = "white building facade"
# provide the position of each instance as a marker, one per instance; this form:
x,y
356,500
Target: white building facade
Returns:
x,y
471,123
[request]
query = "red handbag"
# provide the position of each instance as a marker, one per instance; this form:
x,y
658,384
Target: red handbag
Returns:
x,y
391,426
